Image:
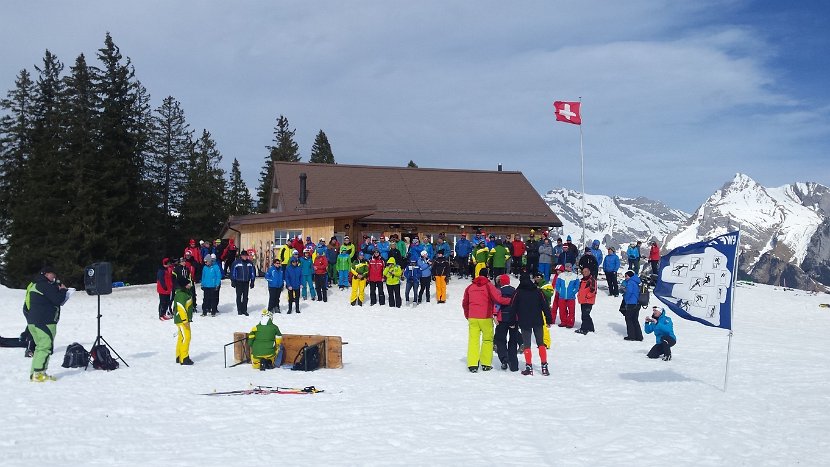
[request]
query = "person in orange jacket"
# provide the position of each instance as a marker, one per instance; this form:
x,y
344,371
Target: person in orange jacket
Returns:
x,y
586,295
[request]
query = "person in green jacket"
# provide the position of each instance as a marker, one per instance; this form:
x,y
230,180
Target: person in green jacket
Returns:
x,y
343,266
392,275
265,341
44,297
480,258
498,258
182,316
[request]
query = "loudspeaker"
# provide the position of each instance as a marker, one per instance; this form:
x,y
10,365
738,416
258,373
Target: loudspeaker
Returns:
x,y
98,279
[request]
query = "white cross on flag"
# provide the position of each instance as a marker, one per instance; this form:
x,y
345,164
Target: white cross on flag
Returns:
x,y
567,112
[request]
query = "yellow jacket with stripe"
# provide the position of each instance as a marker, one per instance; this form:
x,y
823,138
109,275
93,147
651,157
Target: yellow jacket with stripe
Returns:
x,y
182,306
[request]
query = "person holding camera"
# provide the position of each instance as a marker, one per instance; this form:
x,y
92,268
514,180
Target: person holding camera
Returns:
x,y
663,330
42,308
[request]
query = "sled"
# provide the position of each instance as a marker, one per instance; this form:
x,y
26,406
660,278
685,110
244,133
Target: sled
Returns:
x,y
332,347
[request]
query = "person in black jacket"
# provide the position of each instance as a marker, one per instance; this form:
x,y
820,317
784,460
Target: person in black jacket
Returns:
x,y
507,336
44,297
532,252
588,260
530,305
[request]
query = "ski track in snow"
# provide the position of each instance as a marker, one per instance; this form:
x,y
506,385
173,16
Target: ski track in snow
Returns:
x,y
405,396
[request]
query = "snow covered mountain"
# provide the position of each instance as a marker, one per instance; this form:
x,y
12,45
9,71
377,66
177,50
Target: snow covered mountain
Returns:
x,y
784,231
614,220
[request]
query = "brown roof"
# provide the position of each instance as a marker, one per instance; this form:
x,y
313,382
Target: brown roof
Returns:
x,y
408,194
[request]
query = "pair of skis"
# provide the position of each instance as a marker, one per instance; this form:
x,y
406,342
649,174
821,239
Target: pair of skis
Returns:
x,y
266,390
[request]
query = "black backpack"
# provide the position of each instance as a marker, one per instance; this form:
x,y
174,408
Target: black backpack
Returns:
x,y
76,356
645,296
102,359
308,358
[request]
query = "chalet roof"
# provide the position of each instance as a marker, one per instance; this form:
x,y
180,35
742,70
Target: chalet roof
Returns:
x,y
407,194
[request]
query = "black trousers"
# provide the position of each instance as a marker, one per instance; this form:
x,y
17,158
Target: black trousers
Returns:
x,y
516,265
425,285
587,322
164,303
662,348
321,286
654,266
293,299
532,265
210,300
506,340
394,295
274,297
613,284
242,298
463,263
632,323
376,292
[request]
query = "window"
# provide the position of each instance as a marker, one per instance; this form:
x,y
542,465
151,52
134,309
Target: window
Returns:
x,y
281,237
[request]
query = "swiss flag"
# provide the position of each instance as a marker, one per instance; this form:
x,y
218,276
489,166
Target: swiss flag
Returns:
x,y
568,112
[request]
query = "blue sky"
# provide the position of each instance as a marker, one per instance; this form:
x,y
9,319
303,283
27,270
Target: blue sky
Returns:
x,y
677,96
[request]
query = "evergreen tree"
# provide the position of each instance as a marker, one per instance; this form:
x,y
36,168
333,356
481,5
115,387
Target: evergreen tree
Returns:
x,y
15,150
412,164
203,206
167,166
39,227
286,150
321,150
238,197
121,194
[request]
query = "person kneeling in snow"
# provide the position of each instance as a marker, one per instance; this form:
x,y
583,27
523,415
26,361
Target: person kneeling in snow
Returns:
x,y
663,330
265,340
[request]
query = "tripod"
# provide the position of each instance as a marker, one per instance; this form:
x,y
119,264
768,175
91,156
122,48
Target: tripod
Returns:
x,y
99,340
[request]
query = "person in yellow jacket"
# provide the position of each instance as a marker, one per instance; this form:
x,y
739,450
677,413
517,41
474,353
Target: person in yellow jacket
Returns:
x,y
183,315
392,275
360,270
480,257
284,254
265,340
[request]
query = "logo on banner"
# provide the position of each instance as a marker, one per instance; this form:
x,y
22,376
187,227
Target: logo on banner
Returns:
x,y
695,281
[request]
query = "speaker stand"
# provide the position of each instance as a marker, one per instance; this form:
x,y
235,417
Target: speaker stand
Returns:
x,y
99,339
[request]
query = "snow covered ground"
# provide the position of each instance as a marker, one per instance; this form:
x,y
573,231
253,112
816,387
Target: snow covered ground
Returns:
x,y
405,396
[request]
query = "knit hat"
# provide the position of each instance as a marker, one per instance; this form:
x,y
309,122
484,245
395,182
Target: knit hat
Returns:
x,y
504,279
423,253
48,268
568,239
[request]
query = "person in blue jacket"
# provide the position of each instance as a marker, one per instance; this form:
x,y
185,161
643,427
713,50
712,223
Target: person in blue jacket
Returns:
x,y
631,300
663,330
633,254
242,279
275,276
427,244
611,264
307,264
415,249
383,248
293,281
425,264
211,282
596,251
463,248
412,274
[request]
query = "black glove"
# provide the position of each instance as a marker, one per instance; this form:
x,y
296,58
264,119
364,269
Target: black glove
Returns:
x,y
252,284
233,284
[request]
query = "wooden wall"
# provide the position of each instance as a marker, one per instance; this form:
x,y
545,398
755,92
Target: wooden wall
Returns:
x,y
258,235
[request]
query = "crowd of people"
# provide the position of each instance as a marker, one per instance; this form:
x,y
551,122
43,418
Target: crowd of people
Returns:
x,y
554,275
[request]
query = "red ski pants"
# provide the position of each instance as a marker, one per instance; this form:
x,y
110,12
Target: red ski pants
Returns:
x,y
566,312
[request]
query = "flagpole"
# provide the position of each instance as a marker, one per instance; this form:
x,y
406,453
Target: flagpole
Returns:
x,y
732,308
582,176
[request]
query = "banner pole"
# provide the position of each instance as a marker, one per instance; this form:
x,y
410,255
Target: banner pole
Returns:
x,y
732,308
582,177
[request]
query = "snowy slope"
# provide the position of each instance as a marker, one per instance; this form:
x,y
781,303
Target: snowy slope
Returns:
x,y
614,220
405,396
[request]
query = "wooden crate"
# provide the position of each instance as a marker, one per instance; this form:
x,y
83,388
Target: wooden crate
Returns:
x,y
332,348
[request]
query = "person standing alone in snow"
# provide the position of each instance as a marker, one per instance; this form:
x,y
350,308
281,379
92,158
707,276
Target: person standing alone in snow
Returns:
x,y
44,297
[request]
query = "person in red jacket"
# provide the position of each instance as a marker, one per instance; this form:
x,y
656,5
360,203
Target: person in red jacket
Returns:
x,y
654,257
479,301
518,252
320,265
196,257
586,295
375,279
164,287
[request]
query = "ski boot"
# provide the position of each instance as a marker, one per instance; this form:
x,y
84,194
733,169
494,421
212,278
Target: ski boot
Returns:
x,y
545,371
473,369
666,357
41,377
504,366
486,368
187,361
528,371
